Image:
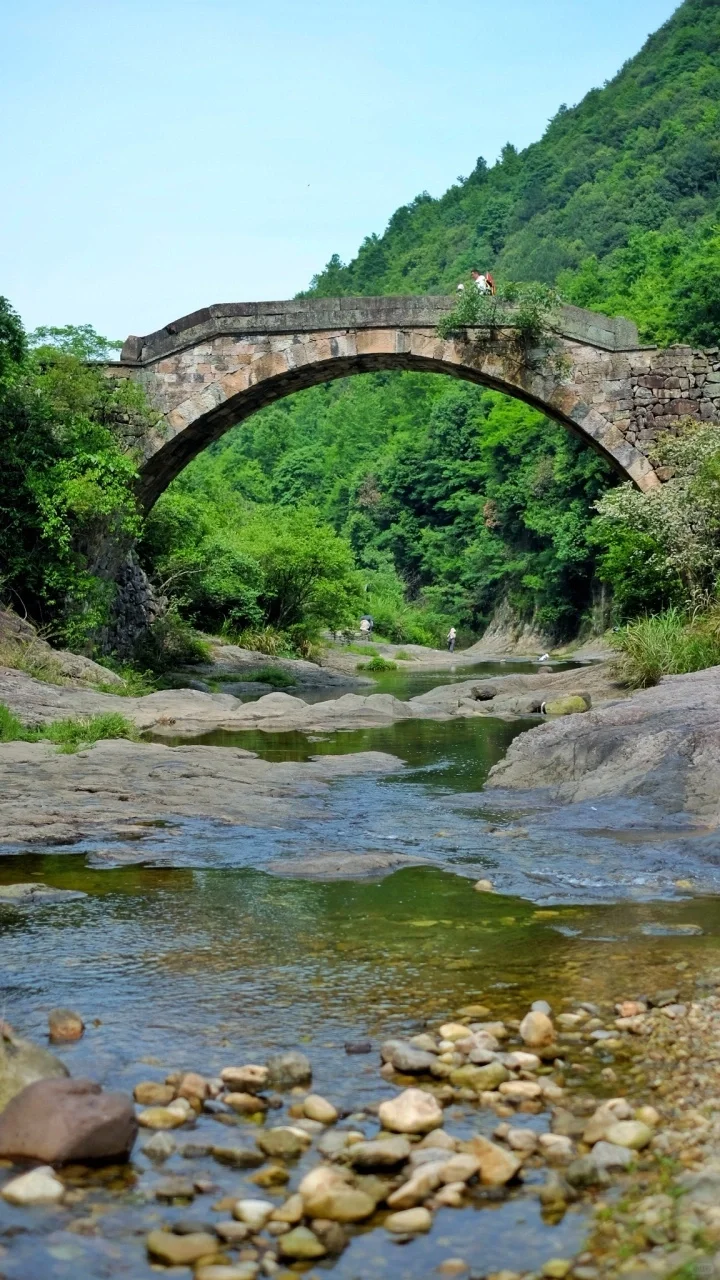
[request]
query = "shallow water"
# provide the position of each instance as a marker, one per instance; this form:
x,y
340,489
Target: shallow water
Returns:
x,y
197,958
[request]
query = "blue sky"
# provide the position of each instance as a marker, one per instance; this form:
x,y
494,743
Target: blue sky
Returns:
x,y
160,155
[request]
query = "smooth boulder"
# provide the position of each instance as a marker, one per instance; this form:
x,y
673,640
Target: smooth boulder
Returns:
x,y
23,1063
412,1111
58,1121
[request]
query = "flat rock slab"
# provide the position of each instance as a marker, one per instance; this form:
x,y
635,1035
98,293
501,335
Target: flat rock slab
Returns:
x,y
342,866
121,788
37,894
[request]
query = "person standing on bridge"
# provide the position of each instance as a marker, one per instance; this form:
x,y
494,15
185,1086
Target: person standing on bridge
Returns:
x,y
481,281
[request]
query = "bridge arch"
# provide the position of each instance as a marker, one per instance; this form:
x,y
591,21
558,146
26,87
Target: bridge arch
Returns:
x,y
211,370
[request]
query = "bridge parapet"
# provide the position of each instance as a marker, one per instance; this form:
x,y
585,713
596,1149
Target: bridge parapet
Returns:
x,y
318,315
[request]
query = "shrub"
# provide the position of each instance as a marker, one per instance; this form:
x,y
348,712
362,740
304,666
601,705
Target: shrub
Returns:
x,y
11,730
272,675
666,645
70,735
171,642
378,663
276,644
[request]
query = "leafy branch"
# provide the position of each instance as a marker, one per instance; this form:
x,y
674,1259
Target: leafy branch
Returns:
x,y
527,311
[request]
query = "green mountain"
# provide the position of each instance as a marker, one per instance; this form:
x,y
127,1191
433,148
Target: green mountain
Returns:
x,y
451,494
624,183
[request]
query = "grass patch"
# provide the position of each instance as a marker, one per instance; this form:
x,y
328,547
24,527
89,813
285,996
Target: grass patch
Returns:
x,y
68,735
402,656
135,683
378,663
667,644
273,675
366,650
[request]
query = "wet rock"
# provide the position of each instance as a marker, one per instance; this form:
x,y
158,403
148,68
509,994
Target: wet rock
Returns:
x,y
555,1193
275,1175
454,1031
285,1070
497,1166
232,1232
520,1090
291,1211
585,1172
175,1188
358,1046
536,1029
418,1187
437,1139
606,1114
180,1251
460,1168
319,1109
557,1148
484,886
225,1271
245,1104
406,1057
541,1006
149,1093
40,1186
194,1087
556,1268
64,1025
248,1079
301,1244
237,1157
57,1121
480,1078
322,1178
254,1213
451,1196
409,1221
608,1155
524,1141
160,1147
453,1267
23,1063
629,1133
286,1141
382,1153
412,1111
161,1118
339,1202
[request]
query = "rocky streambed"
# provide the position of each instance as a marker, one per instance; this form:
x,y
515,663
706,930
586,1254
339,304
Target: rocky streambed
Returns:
x,y
558,1143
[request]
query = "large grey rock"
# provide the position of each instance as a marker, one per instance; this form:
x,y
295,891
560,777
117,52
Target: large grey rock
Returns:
x,y
23,1063
405,1057
58,1121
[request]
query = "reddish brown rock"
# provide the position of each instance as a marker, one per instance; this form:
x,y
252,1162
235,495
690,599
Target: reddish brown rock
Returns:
x,y
58,1121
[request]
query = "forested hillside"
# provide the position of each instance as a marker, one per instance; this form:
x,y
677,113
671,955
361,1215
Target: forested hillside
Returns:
x,y
455,498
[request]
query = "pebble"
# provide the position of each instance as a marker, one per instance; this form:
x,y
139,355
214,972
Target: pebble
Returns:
x,y
285,1141
339,1203
358,1046
291,1211
232,1232
161,1118
150,1093
238,1157
248,1079
160,1147
245,1104
520,1090
629,1133
453,1267
556,1268
497,1166
175,1187
536,1029
424,1180
224,1271
379,1154
180,1251
301,1244
39,1186
484,886
412,1111
254,1213
287,1070
409,1221
64,1025
318,1108
541,1006
608,1155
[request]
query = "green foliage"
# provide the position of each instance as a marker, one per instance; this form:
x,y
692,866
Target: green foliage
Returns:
x,y
272,675
528,310
365,650
171,642
378,663
68,735
11,730
641,155
239,567
666,645
66,484
72,735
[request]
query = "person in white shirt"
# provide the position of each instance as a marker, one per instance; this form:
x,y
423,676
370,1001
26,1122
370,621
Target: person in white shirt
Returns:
x,y
451,638
479,279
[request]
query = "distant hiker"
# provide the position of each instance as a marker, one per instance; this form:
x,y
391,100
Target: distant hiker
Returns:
x,y
490,284
481,280
366,624
451,638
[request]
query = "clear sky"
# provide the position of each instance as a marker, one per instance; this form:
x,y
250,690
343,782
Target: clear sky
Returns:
x,y
160,155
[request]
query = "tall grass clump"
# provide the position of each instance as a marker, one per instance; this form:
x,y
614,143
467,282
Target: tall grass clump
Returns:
x,y
11,730
667,644
70,735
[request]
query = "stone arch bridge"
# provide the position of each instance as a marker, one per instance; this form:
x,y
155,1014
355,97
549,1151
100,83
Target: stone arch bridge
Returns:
x,y
212,369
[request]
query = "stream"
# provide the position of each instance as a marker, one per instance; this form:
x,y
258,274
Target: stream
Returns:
x,y
196,958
